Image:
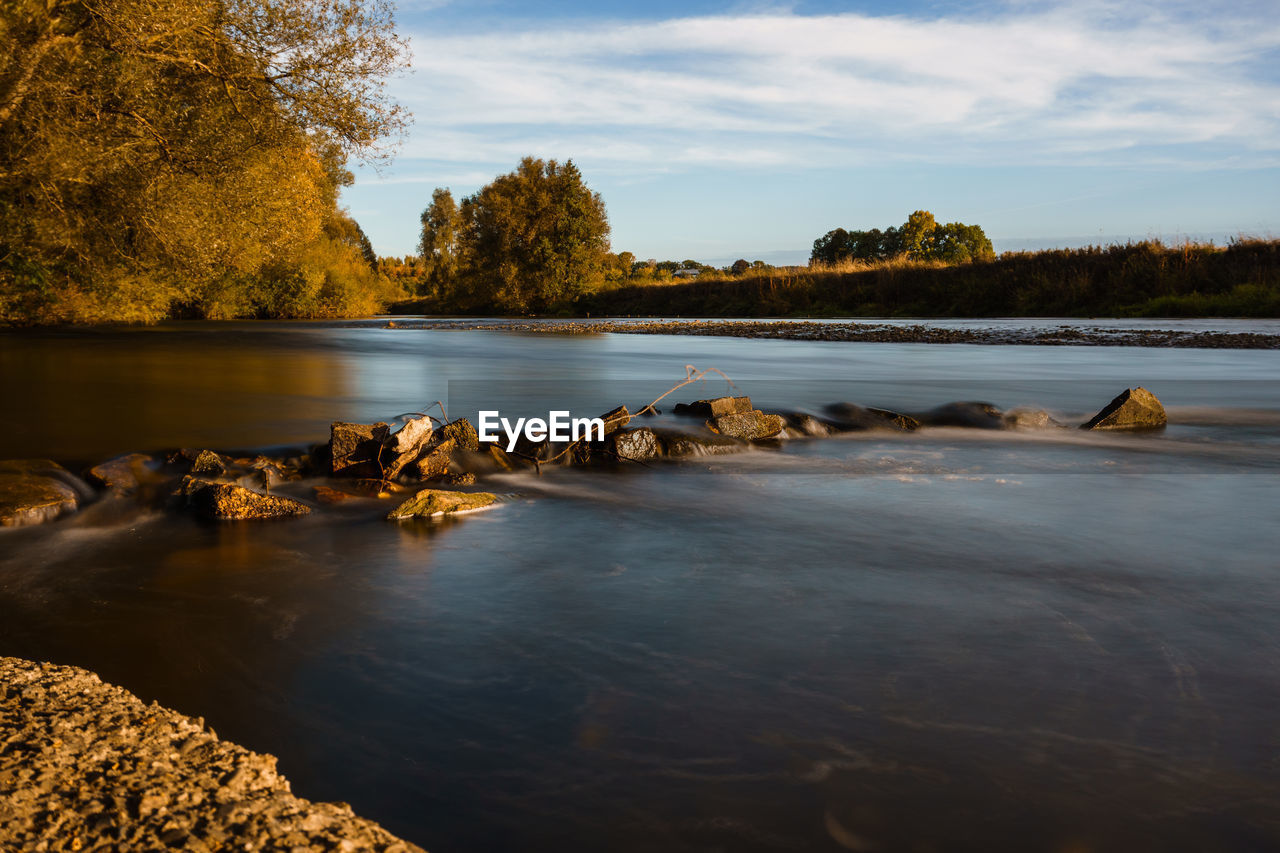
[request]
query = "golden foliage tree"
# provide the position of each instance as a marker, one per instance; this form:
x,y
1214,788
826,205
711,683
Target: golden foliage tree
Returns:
x,y
156,153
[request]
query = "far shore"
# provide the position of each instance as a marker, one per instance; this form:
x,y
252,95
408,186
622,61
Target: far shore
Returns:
x,y
870,332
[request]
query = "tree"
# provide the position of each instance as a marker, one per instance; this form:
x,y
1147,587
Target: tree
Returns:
x,y
532,238
438,245
345,230
740,266
152,151
957,243
832,248
917,233
919,238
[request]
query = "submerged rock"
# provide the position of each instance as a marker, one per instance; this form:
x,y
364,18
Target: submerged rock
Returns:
x,y
1135,408
330,495
229,502
635,445
33,491
682,444
714,408
430,503
752,425
123,474
805,425
1029,419
355,450
972,415
850,416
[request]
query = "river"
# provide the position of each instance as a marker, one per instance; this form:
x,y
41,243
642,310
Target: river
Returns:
x,y
947,640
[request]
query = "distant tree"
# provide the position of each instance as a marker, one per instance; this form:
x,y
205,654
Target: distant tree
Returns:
x,y
740,266
957,243
438,243
533,238
919,238
834,247
618,267
917,233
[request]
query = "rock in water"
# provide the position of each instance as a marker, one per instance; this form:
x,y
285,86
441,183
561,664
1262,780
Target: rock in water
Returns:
x,y
463,434
430,503
356,449
1029,419
33,491
122,474
680,444
411,435
615,419
209,464
228,502
435,462
406,445
1135,408
972,415
751,425
803,424
714,408
852,417
635,445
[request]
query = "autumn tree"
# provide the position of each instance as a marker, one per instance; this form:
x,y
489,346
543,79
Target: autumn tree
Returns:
x,y
162,152
917,233
532,238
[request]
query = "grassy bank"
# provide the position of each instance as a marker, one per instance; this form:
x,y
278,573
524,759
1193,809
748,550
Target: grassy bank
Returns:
x,y
1145,279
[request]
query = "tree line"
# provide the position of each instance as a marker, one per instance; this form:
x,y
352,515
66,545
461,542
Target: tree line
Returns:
x,y
182,157
920,238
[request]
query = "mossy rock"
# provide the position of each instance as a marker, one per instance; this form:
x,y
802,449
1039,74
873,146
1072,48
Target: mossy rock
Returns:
x,y
748,426
1134,409
229,502
431,503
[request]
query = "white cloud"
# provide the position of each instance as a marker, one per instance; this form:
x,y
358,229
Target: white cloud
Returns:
x,y
1074,84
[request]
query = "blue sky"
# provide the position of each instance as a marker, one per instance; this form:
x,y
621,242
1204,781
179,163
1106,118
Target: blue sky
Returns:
x,y
724,130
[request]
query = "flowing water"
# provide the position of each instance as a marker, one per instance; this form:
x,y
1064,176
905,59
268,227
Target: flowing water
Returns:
x,y
948,640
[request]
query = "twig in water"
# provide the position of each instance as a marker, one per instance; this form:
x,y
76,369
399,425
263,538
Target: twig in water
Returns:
x,y
692,374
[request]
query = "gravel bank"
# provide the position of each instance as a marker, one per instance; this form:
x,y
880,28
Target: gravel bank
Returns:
x,y
870,332
87,766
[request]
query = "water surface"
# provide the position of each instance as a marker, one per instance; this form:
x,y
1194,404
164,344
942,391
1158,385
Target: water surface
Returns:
x,y
954,640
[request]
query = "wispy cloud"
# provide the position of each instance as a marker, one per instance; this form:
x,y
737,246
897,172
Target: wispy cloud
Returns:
x,y
1083,83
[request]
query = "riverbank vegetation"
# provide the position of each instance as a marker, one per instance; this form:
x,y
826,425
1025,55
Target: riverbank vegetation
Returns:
x,y
183,158
1147,279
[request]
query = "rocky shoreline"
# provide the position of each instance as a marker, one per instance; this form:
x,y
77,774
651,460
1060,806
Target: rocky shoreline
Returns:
x,y
806,330
87,766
